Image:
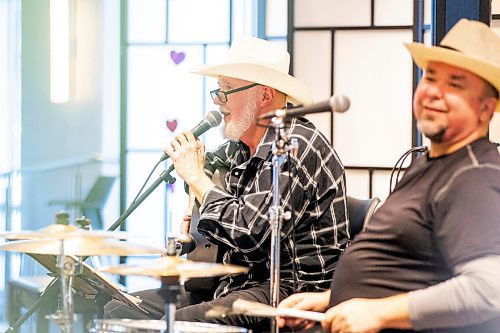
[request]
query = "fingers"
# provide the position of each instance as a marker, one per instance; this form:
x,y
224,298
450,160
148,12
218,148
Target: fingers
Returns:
x,y
185,137
290,301
186,224
295,301
188,142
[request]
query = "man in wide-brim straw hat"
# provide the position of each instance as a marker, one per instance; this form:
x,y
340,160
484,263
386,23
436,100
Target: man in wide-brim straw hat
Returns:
x,y
252,81
429,260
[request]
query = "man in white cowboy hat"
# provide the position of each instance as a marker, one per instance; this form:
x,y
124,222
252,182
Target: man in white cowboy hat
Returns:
x,y
252,81
429,260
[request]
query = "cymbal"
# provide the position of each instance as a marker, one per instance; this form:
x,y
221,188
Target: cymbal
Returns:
x,y
61,231
79,247
175,266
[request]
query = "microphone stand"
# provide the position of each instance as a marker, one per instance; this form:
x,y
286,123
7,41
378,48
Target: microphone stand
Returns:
x,y
164,177
276,215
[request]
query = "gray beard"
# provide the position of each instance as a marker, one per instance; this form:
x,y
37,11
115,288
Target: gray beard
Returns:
x,y
236,128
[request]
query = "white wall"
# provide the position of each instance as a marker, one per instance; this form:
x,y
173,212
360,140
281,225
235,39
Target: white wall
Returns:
x,y
63,134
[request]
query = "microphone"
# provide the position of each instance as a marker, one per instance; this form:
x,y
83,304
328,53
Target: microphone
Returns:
x,y
212,119
336,103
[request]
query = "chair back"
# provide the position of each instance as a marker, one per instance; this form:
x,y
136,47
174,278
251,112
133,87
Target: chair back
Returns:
x,y
93,204
99,193
359,212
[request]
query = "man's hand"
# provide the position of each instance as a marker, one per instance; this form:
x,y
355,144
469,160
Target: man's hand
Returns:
x,y
188,156
304,301
361,315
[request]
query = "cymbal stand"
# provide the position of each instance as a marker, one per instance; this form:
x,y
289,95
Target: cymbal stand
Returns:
x,y
276,215
170,287
65,317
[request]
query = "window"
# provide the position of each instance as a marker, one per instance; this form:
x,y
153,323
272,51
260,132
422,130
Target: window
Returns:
x,y
166,38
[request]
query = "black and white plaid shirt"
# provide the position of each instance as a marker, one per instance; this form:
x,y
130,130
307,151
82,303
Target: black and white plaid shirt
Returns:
x,y
312,188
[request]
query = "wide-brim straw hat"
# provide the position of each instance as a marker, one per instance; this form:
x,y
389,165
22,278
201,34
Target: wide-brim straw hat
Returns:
x,y
470,45
256,60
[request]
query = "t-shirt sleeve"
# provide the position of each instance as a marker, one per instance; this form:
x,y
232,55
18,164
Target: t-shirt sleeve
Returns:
x,y
467,215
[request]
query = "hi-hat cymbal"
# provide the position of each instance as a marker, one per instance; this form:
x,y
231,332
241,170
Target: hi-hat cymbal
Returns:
x,y
61,231
175,266
80,247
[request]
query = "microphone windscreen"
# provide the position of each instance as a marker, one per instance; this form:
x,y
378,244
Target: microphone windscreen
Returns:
x,y
340,103
213,118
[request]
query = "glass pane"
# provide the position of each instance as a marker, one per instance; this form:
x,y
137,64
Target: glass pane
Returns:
x,y
381,181
495,7
244,22
4,92
202,21
393,12
163,97
428,11
150,215
146,21
358,181
325,13
138,283
368,82
214,54
314,47
427,37
276,17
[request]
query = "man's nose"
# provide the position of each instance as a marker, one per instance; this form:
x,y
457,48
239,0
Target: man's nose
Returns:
x,y
435,90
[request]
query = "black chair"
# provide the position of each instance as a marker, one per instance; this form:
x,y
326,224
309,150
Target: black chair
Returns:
x,y
360,212
93,204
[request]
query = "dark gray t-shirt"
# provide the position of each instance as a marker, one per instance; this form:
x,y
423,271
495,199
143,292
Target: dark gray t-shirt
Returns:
x,y
444,212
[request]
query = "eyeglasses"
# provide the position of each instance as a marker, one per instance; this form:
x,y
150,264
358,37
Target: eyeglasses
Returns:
x,y
222,95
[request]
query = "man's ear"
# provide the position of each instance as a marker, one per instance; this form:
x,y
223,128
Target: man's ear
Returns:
x,y
488,107
268,95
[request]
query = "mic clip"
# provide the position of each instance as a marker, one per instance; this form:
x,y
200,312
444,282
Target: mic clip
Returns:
x,y
165,175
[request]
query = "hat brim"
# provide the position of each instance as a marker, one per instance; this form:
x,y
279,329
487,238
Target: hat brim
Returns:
x,y
296,91
423,54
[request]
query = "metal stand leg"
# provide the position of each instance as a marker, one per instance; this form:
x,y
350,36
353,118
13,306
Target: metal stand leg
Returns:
x,y
49,292
276,214
170,287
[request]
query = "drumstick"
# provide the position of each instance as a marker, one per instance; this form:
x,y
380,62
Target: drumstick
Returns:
x,y
263,310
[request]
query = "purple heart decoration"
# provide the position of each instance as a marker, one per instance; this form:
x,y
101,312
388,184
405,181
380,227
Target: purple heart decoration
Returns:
x,y
177,57
171,125
171,187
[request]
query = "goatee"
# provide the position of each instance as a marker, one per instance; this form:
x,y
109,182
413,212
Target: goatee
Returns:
x,y
435,132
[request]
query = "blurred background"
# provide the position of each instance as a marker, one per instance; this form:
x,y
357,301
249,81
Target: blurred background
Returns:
x,y
92,90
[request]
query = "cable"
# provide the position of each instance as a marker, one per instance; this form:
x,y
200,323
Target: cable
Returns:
x,y
400,161
147,179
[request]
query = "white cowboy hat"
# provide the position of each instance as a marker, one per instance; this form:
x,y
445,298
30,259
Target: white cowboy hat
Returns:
x,y
470,45
256,60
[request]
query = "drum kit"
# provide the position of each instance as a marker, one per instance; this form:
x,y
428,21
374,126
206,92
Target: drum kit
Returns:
x,y
72,245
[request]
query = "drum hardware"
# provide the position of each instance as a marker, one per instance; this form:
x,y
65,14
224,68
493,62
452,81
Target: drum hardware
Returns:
x,y
171,271
65,240
280,148
143,326
64,231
